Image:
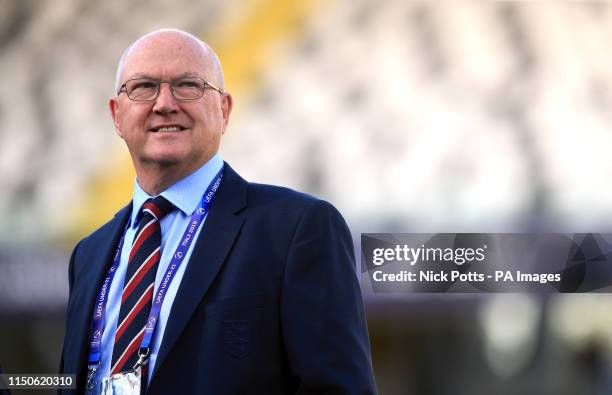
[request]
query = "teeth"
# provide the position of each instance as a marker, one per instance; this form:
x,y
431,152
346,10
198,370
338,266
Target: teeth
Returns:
x,y
169,129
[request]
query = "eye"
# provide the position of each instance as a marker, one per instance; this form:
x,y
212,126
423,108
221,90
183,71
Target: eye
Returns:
x,y
143,84
187,84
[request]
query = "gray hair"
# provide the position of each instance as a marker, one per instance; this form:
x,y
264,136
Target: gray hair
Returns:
x,y
216,63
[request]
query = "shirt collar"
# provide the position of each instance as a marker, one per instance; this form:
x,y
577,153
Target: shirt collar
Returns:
x,y
185,194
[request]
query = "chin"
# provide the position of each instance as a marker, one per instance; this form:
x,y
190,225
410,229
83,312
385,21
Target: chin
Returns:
x,y
167,162
165,159
180,156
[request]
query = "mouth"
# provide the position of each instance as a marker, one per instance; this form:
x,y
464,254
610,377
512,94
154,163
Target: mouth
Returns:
x,y
167,128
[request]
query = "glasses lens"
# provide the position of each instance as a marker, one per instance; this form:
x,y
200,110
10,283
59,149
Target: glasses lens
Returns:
x,y
142,89
188,88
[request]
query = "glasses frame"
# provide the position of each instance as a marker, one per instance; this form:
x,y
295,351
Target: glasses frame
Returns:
x,y
205,84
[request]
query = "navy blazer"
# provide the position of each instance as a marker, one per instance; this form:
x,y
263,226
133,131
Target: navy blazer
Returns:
x,y
269,303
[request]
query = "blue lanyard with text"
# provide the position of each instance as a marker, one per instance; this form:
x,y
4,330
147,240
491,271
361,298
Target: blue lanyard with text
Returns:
x,y
177,258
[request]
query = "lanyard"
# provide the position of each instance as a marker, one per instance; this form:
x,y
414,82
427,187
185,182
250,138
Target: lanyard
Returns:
x,y
177,258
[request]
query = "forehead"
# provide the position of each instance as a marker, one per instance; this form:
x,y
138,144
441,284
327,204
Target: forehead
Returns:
x,y
166,56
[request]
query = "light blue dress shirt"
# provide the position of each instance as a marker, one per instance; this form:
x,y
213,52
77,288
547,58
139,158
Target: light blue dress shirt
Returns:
x,y
186,196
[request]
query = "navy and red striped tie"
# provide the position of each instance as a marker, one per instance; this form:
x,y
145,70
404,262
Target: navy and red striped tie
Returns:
x,y
138,286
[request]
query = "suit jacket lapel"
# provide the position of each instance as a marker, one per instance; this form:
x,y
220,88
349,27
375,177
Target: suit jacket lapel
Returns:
x,y
101,253
214,243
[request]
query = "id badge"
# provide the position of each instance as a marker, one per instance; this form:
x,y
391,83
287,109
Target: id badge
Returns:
x,y
126,383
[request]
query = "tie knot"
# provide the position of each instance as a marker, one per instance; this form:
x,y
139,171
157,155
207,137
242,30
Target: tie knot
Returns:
x,y
157,208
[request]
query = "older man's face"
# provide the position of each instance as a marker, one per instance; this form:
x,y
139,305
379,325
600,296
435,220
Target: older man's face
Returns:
x,y
168,132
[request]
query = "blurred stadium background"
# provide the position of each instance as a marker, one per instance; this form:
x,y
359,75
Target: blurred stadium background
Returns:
x,y
409,116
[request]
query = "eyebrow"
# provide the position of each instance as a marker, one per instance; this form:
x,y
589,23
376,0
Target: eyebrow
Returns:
x,y
145,75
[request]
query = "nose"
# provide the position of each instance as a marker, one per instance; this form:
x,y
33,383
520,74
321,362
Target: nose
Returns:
x,y
165,102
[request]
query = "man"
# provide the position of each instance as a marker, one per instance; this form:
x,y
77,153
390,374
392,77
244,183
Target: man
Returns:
x,y
204,283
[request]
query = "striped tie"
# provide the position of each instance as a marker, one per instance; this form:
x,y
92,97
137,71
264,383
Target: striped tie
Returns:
x,y
138,286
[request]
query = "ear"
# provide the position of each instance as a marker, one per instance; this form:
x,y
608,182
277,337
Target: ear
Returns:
x,y
227,103
113,105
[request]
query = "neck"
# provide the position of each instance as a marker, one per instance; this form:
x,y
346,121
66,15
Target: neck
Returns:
x,y
155,178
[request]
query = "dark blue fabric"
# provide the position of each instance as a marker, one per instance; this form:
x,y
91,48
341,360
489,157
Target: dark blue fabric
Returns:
x,y
269,304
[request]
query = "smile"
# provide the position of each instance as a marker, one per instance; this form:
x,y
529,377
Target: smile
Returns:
x,y
172,128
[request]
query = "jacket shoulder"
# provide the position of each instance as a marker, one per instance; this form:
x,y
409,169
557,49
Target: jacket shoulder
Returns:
x,y
258,193
273,198
289,204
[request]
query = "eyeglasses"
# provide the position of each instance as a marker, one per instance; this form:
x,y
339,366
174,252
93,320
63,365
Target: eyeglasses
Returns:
x,y
147,89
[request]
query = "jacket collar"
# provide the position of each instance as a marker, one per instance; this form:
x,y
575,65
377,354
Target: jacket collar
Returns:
x,y
209,253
